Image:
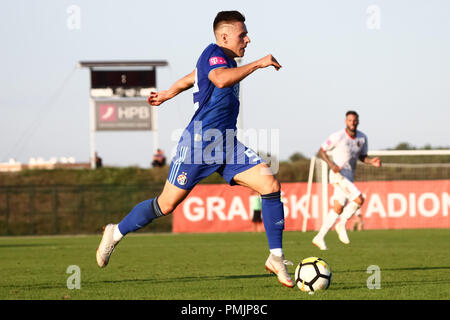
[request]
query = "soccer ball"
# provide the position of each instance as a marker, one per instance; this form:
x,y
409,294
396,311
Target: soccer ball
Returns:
x,y
313,274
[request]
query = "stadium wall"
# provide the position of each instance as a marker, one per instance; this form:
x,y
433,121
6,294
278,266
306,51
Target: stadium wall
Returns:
x,y
388,205
71,209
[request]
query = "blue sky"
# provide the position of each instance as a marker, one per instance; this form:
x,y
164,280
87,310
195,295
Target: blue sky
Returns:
x,y
396,75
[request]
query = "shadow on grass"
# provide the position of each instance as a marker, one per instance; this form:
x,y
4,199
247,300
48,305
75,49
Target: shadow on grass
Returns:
x,y
25,245
145,280
387,284
189,279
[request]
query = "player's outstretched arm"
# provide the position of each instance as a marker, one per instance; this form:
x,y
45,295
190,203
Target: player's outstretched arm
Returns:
x,y
157,98
227,77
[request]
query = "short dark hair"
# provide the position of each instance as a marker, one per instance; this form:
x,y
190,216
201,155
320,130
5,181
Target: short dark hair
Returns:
x,y
351,112
228,16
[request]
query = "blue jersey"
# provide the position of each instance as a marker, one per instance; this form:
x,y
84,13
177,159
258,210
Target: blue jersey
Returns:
x,y
209,142
215,108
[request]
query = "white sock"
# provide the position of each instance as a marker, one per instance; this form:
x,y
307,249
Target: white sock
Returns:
x,y
116,234
327,223
277,252
348,212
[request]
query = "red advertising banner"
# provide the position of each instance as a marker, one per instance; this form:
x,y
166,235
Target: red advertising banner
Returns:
x,y
388,205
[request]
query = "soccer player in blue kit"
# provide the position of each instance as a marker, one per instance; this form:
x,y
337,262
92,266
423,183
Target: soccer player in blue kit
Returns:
x,y
209,144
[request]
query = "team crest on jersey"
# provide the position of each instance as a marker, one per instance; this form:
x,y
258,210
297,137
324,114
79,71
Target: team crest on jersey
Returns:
x,y
182,179
358,144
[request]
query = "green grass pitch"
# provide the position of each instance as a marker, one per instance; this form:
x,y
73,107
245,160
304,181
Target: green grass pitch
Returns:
x,y
414,264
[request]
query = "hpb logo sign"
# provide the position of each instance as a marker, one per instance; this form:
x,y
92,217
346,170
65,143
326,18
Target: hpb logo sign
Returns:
x,y
108,113
123,115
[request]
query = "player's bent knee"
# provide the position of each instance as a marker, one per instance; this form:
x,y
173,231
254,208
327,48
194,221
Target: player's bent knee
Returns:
x,y
266,188
272,186
276,185
338,208
359,200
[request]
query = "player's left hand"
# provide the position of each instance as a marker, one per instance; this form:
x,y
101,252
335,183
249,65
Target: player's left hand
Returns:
x,y
269,60
376,162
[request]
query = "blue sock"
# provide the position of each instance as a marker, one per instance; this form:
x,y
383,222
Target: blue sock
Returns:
x,y
273,218
141,215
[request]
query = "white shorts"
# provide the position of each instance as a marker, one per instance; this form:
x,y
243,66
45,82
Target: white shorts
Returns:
x,y
344,189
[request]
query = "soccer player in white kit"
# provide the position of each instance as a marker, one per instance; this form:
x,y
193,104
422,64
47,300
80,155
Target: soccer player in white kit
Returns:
x,y
346,147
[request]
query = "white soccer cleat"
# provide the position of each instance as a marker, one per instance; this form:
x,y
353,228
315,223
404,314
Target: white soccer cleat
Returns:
x,y
107,246
277,265
342,233
320,243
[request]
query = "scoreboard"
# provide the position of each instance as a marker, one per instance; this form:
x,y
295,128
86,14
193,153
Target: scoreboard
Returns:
x,y
114,79
118,97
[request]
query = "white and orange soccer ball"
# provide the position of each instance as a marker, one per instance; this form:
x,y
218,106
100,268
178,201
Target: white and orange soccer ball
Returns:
x,y
313,274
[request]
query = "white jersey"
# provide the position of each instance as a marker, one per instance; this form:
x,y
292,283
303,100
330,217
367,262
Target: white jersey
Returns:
x,y
346,150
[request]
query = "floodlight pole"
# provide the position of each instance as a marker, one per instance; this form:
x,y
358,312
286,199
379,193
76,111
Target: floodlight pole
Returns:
x,y
92,132
154,111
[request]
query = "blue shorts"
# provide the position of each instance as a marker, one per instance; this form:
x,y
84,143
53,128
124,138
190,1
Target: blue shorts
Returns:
x,y
191,165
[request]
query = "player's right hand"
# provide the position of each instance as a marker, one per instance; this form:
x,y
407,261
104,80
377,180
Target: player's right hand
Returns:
x,y
156,98
335,168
